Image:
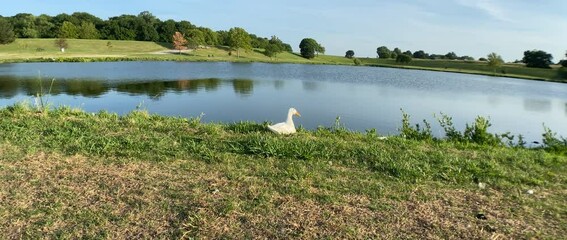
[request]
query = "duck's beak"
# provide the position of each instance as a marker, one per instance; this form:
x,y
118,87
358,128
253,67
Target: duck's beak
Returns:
x,y
297,113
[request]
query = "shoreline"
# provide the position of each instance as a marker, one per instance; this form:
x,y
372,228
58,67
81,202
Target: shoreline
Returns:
x,y
163,58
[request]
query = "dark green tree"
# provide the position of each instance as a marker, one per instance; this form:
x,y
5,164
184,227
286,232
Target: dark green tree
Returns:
x,y
403,58
307,47
564,62
24,25
383,52
420,54
45,26
408,52
537,59
349,54
196,38
397,51
146,27
7,34
451,56
272,50
166,30
238,39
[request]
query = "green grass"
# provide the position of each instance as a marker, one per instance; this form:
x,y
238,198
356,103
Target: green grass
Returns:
x,y
33,50
65,173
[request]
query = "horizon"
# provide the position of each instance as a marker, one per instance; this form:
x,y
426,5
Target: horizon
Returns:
x,y
506,27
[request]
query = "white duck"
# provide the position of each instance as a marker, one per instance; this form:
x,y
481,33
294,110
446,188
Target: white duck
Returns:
x,y
286,127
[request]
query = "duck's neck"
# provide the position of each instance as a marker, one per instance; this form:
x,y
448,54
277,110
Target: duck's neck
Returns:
x,y
289,120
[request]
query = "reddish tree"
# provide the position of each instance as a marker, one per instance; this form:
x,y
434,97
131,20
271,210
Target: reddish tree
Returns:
x,y
179,41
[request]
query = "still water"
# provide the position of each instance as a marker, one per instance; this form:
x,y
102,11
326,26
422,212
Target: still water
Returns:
x,y
363,97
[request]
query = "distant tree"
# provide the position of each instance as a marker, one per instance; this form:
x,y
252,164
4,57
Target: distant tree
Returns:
x,y
307,47
420,54
211,37
196,38
408,52
61,43
564,62
349,54
7,34
397,51
403,58
537,59
272,50
451,56
394,55
494,61
238,38
146,24
179,42
281,45
483,59
87,30
383,52
45,26
68,30
320,49
166,30
24,25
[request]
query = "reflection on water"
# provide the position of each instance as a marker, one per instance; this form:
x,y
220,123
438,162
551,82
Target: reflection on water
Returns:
x,y
364,97
537,105
12,86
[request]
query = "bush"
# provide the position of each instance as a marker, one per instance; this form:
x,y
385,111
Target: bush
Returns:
x,y
402,58
357,62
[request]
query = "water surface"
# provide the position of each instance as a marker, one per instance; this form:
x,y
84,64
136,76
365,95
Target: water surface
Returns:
x,y
363,97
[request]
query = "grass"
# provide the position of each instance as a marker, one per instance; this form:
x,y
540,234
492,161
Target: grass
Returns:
x,y
65,173
33,50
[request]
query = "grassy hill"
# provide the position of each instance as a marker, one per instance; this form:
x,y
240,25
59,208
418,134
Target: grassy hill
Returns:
x,y
23,50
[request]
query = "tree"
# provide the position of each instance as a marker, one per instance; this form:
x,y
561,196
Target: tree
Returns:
x,y
179,41
403,58
319,49
537,59
196,38
272,50
24,25
87,30
451,56
61,43
166,30
420,54
408,52
394,55
564,62
7,34
238,38
383,52
307,47
397,51
349,54
68,30
494,61
483,59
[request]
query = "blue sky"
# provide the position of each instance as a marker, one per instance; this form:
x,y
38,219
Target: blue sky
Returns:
x,y
467,27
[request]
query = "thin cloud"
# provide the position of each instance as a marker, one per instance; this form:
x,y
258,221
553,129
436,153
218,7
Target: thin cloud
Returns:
x,y
488,7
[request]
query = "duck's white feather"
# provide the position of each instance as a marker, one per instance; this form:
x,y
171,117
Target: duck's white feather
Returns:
x,y
286,127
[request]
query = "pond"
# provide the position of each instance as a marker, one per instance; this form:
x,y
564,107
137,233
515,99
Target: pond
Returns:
x,y
363,97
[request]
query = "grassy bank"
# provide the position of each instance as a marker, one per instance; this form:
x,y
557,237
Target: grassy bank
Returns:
x,y
42,50
65,173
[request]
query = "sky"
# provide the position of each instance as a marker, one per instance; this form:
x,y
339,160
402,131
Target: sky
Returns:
x,y
466,27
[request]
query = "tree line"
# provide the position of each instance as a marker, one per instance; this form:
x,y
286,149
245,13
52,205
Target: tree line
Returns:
x,y
141,27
